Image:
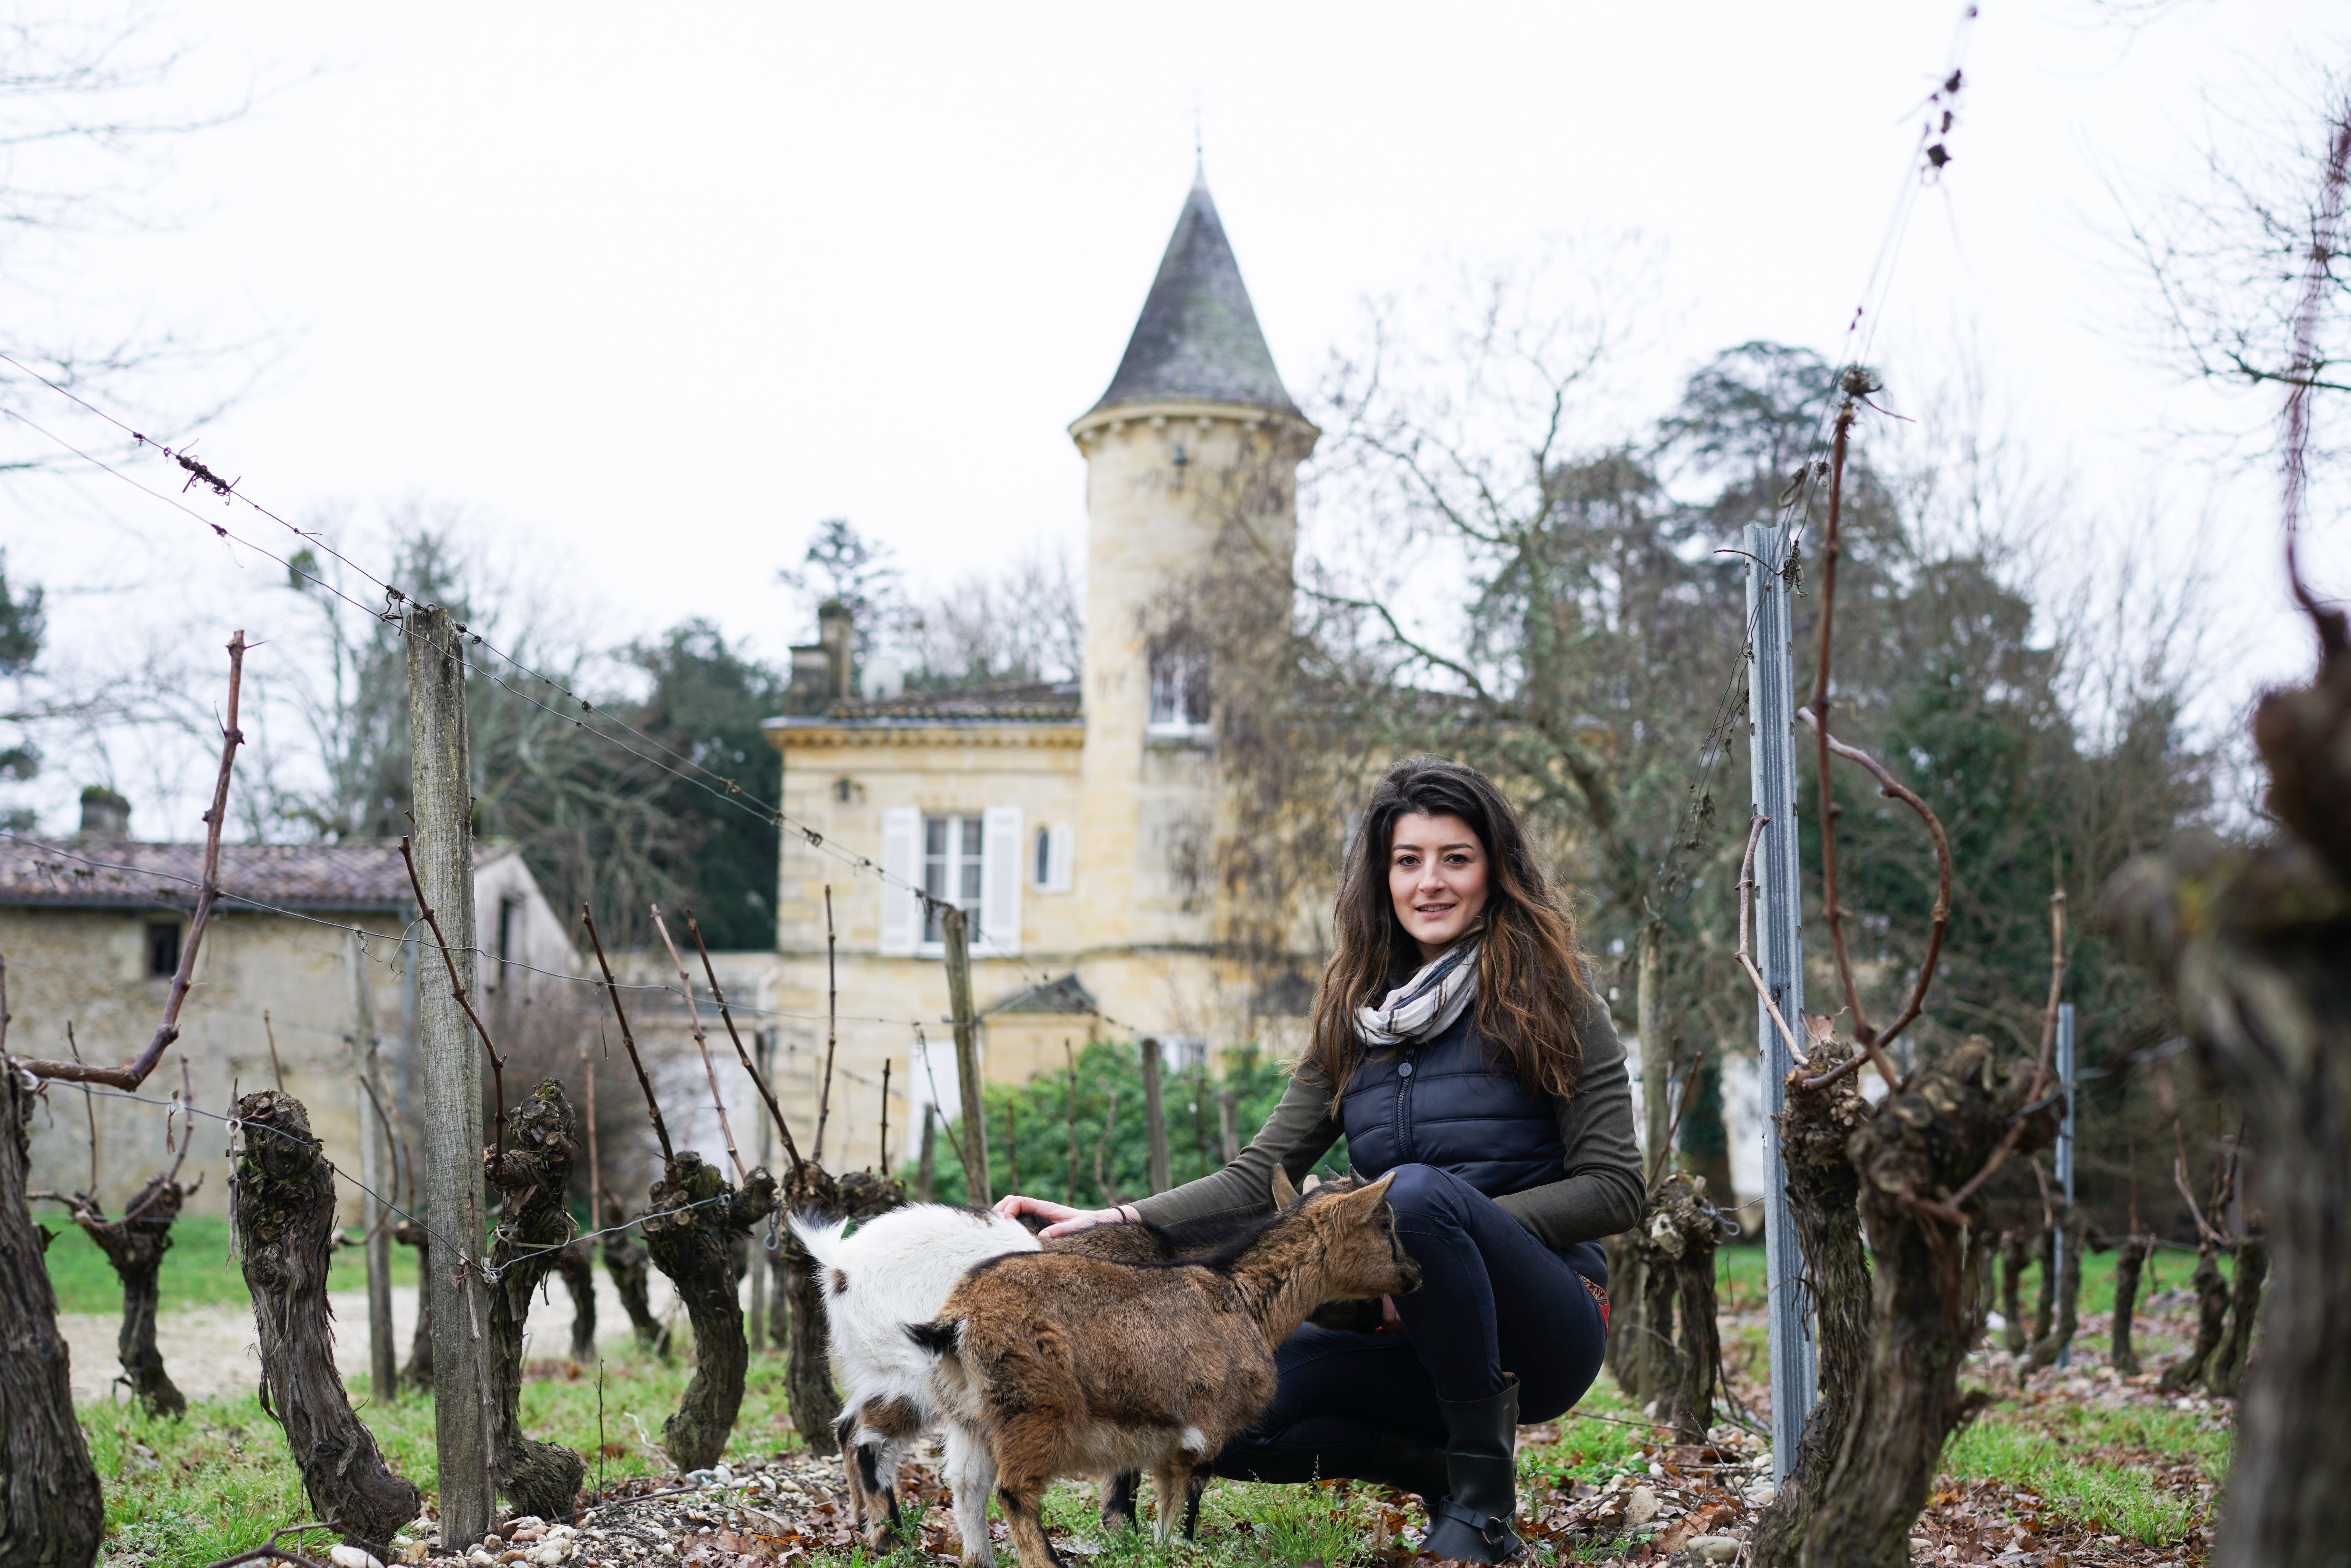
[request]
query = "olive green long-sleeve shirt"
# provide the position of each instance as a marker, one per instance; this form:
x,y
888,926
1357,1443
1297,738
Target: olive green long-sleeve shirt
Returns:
x,y
1599,1192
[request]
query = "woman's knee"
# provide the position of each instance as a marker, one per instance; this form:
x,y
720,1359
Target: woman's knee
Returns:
x,y
1420,1192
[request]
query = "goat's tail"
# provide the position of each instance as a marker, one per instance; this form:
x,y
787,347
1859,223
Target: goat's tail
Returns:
x,y
941,1339
821,1236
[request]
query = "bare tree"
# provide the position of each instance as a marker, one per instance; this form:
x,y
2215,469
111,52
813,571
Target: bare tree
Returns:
x,y
88,127
1023,624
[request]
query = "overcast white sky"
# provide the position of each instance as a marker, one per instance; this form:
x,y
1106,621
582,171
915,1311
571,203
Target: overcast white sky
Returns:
x,y
648,291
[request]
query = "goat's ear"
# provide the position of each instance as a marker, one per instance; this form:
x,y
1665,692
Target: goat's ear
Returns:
x,y
1371,1197
1284,1194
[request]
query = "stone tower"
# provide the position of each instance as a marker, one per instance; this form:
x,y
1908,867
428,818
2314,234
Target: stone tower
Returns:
x,y
1193,451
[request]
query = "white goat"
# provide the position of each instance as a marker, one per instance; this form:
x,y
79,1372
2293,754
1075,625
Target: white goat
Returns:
x,y
895,1270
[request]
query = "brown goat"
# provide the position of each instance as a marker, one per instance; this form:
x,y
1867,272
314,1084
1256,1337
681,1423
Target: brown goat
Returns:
x,y
1212,1236
905,1263
1055,1363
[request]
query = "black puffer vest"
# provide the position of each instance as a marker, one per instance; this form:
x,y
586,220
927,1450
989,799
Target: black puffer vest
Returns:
x,y
1443,1102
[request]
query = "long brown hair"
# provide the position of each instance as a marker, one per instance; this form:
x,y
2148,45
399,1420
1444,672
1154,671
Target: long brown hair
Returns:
x,y
1529,980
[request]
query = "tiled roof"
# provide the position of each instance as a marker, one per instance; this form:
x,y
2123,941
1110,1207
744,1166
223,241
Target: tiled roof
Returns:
x,y
1066,995
1057,702
1197,340
123,873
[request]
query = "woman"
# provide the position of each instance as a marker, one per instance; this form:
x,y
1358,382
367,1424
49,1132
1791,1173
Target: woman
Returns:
x,y
1457,1044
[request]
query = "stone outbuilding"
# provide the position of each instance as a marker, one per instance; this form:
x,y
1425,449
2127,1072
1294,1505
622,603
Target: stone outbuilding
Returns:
x,y
305,954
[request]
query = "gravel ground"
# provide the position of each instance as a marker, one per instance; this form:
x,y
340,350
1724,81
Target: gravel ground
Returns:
x,y
209,1351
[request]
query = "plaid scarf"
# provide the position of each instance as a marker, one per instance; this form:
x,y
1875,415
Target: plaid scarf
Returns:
x,y
1426,1004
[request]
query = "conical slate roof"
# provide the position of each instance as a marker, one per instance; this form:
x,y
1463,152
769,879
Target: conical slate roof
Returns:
x,y
1197,340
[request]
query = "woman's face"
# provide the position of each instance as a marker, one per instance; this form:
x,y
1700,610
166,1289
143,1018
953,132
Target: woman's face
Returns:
x,y
1437,879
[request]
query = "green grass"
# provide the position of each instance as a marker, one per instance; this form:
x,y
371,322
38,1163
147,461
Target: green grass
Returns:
x,y
2115,1500
1289,1524
2092,1465
217,1482
1738,1280
197,1271
1596,1440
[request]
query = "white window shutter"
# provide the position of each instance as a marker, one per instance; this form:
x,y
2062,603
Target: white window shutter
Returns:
x,y
902,912
999,880
1062,857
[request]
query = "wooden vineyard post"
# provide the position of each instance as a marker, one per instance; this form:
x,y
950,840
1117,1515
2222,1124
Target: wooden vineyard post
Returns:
x,y
1155,1117
955,928
375,1140
2063,1231
1779,894
450,1066
927,1168
761,1269
1656,1064
1070,1065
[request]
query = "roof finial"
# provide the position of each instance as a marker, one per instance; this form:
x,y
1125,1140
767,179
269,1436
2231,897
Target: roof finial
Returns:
x,y
1199,159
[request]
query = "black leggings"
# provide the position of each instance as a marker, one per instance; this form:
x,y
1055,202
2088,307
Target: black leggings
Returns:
x,y
1492,1300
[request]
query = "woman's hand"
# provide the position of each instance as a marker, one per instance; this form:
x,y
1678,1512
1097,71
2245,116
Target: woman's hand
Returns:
x,y
1066,1221
1389,1322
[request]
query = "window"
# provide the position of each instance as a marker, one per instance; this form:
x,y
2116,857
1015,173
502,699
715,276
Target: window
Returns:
x,y
509,939
1179,687
1052,854
1184,1052
162,949
953,857
977,862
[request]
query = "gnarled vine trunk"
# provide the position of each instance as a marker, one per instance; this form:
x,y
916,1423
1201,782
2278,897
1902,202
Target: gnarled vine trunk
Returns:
x,y
418,1372
283,1208
696,1212
1683,1234
135,1245
2044,1298
2225,1375
626,1261
780,1311
2211,1320
1627,1283
1656,1354
2130,1257
579,1279
51,1514
1824,1198
2074,1226
534,1230
1922,1146
2015,1257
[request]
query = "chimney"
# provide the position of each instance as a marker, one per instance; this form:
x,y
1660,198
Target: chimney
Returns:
x,y
834,626
104,814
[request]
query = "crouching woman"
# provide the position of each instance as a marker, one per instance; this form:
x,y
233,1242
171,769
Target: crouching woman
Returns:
x,y
1456,1044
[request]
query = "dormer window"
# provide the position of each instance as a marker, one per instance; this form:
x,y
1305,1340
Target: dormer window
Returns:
x,y
1179,687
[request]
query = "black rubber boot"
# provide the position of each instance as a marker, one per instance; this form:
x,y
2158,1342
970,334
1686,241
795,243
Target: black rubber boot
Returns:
x,y
1472,1520
1409,1462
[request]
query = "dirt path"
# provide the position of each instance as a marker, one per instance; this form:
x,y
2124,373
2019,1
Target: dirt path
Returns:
x,y
209,1351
